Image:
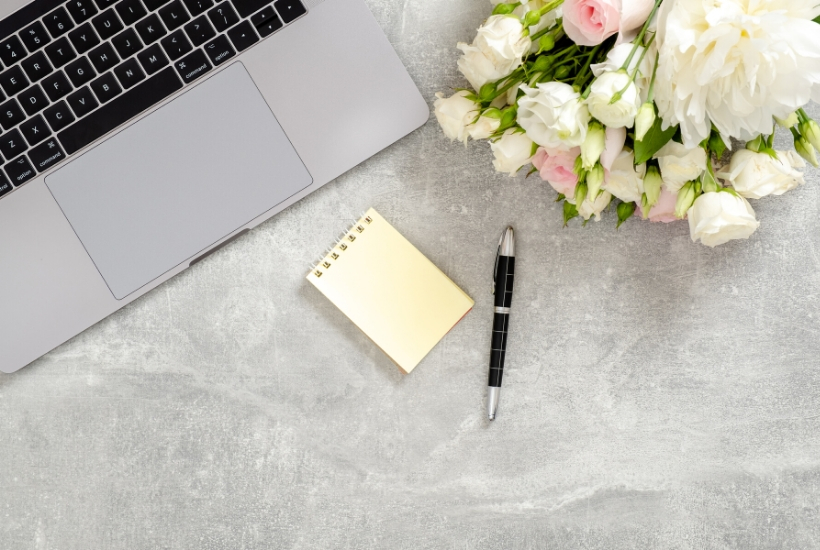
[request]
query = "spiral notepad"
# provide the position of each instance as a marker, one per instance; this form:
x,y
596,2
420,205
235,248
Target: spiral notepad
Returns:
x,y
390,290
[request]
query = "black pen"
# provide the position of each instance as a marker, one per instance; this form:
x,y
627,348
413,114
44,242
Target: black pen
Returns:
x,y
502,288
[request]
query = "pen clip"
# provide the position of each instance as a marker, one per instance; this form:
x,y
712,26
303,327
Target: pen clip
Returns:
x,y
497,254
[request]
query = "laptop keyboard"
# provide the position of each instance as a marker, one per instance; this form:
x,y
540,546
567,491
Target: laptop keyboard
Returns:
x,y
73,71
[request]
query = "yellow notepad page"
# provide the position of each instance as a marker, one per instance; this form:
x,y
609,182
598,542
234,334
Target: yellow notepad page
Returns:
x,y
390,290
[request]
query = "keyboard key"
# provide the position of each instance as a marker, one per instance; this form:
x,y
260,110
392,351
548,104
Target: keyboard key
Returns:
x,y
82,102
289,9
33,100
105,4
200,30
35,130
104,57
5,184
84,38
131,11
58,22
130,73
59,116
107,24
247,7
176,45
153,59
193,66
36,66
12,51
81,10
13,81
154,5
11,114
174,15
266,22
106,87
12,144
243,36
80,72
60,52
219,50
35,36
130,104
47,155
150,29
223,17
198,6
56,86
20,171
127,43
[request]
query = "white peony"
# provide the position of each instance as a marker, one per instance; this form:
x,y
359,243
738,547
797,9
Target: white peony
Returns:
x,y
553,115
680,165
756,175
594,208
717,218
735,64
614,100
454,113
496,52
512,151
625,180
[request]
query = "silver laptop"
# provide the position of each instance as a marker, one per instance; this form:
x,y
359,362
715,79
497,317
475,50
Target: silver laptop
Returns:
x,y
138,136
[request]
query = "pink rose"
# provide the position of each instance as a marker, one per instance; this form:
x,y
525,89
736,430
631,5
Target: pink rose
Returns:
x,y
664,209
590,22
556,167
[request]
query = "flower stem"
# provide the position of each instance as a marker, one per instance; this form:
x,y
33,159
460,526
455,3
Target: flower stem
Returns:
x,y
639,40
651,93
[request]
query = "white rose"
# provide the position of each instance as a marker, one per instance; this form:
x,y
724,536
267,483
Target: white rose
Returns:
x,y
594,208
755,175
553,115
454,113
512,151
614,111
497,50
616,58
716,218
680,165
484,127
625,180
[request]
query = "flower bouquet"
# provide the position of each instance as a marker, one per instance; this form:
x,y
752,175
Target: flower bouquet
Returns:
x,y
636,101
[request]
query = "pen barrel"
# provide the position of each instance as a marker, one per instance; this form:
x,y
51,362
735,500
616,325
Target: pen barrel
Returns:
x,y
504,281
498,352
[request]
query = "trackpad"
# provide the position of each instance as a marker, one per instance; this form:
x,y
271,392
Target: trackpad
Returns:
x,y
171,185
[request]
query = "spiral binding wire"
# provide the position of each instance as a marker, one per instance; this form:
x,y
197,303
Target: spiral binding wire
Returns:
x,y
331,255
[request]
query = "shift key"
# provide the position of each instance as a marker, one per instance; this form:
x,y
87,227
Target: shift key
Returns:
x,y
46,155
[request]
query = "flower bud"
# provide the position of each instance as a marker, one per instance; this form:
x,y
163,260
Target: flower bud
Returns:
x,y
562,72
532,18
504,9
708,182
487,92
789,122
579,166
625,211
645,120
593,145
652,184
686,198
542,63
546,43
806,150
811,131
595,179
580,193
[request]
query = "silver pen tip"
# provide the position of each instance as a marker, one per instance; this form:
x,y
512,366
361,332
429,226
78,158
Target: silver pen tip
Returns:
x,y
492,417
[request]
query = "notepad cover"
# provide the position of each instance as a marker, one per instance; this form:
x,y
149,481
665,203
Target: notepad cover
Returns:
x,y
390,290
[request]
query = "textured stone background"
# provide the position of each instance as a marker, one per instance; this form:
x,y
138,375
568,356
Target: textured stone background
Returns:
x,y
659,394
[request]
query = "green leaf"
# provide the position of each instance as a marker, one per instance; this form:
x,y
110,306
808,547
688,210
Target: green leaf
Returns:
x,y
505,9
817,19
569,212
625,211
560,197
653,141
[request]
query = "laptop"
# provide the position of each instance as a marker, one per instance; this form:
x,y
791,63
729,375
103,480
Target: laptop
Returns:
x,y
139,136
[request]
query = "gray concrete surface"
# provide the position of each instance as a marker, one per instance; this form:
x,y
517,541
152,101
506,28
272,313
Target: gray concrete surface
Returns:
x,y
659,394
